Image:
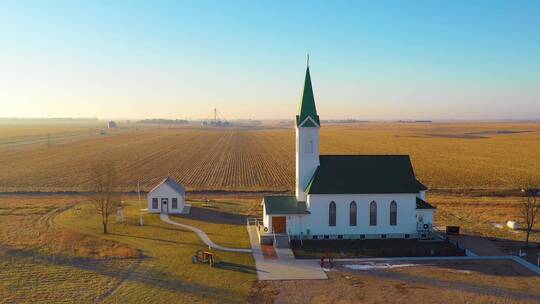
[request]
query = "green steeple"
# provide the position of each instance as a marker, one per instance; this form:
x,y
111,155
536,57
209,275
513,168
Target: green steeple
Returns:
x,y
307,107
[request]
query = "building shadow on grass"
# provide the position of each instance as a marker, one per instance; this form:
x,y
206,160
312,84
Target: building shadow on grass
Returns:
x,y
136,272
214,216
236,267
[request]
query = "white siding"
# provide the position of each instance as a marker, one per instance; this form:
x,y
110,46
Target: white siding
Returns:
x,y
423,195
317,221
165,191
307,160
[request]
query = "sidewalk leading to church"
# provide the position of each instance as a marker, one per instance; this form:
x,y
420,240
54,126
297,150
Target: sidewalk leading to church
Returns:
x,y
203,236
285,267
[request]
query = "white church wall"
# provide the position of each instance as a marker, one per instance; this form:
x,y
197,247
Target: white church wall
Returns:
x,y
423,195
266,218
307,158
165,191
318,223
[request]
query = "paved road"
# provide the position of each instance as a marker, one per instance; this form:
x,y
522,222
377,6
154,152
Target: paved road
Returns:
x,y
202,235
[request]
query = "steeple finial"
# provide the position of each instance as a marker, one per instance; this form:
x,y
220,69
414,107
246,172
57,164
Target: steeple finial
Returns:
x,y
308,60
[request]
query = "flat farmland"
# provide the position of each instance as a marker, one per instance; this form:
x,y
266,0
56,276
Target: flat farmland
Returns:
x,y
457,156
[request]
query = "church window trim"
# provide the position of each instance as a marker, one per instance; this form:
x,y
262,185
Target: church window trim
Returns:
x,y
353,211
332,214
373,213
393,213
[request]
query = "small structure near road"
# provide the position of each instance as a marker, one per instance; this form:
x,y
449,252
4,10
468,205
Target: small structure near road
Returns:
x,y
168,197
112,125
513,225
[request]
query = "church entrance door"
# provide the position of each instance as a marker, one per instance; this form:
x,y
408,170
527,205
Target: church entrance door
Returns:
x,y
279,224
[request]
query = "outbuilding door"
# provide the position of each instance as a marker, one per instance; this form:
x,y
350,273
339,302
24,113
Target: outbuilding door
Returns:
x,y
279,223
165,205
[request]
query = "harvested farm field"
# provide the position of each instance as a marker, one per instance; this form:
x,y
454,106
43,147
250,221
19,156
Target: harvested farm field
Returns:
x,y
456,156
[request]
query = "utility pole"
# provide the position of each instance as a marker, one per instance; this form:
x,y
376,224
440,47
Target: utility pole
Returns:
x,y
141,222
48,140
215,115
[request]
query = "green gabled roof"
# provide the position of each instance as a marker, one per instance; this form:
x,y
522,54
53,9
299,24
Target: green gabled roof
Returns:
x,y
307,106
421,186
363,174
284,205
422,204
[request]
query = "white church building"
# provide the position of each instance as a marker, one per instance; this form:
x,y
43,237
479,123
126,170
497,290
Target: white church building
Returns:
x,y
347,196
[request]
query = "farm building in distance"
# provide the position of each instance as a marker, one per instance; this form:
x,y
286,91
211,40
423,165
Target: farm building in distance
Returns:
x,y
111,124
347,196
167,197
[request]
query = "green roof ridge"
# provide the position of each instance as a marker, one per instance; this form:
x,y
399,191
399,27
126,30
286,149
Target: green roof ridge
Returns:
x,y
307,106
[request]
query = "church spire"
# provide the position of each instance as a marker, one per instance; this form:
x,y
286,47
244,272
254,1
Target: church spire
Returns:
x,y
307,106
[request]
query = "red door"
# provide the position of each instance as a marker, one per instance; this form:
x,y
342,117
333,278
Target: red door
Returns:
x,y
279,223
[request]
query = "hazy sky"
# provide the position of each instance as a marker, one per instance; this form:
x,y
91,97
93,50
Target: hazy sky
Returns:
x,y
180,59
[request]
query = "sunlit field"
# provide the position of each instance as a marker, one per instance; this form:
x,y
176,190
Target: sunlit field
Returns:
x,y
52,251
459,156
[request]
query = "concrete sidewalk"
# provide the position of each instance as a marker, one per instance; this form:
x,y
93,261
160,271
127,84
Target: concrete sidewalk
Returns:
x,y
203,236
285,267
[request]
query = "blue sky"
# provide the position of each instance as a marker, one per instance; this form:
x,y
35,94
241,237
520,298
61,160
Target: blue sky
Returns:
x,y
180,59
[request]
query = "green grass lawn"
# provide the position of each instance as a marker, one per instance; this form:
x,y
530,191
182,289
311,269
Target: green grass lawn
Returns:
x,y
166,273
223,222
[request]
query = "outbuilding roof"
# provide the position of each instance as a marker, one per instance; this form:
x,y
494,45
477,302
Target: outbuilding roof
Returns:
x,y
171,183
284,205
421,204
363,174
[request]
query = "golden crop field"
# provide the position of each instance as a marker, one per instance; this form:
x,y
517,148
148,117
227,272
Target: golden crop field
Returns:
x,y
459,156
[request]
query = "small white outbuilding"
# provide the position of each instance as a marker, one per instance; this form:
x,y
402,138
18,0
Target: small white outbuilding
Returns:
x,y
167,197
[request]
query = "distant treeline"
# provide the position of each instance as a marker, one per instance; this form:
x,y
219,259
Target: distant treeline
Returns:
x,y
47,121
415,121
163,121
343,121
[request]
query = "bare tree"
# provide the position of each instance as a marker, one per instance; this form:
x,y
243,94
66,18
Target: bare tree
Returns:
x,y
529,208
103,198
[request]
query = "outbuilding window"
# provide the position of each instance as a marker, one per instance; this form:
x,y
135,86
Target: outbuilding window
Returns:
x,y
393,213
373,214
175,203
154,203
332,214
352,214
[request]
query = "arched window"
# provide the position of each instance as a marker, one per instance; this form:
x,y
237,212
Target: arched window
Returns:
x,y
332,214
373,214
393,213
352,214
